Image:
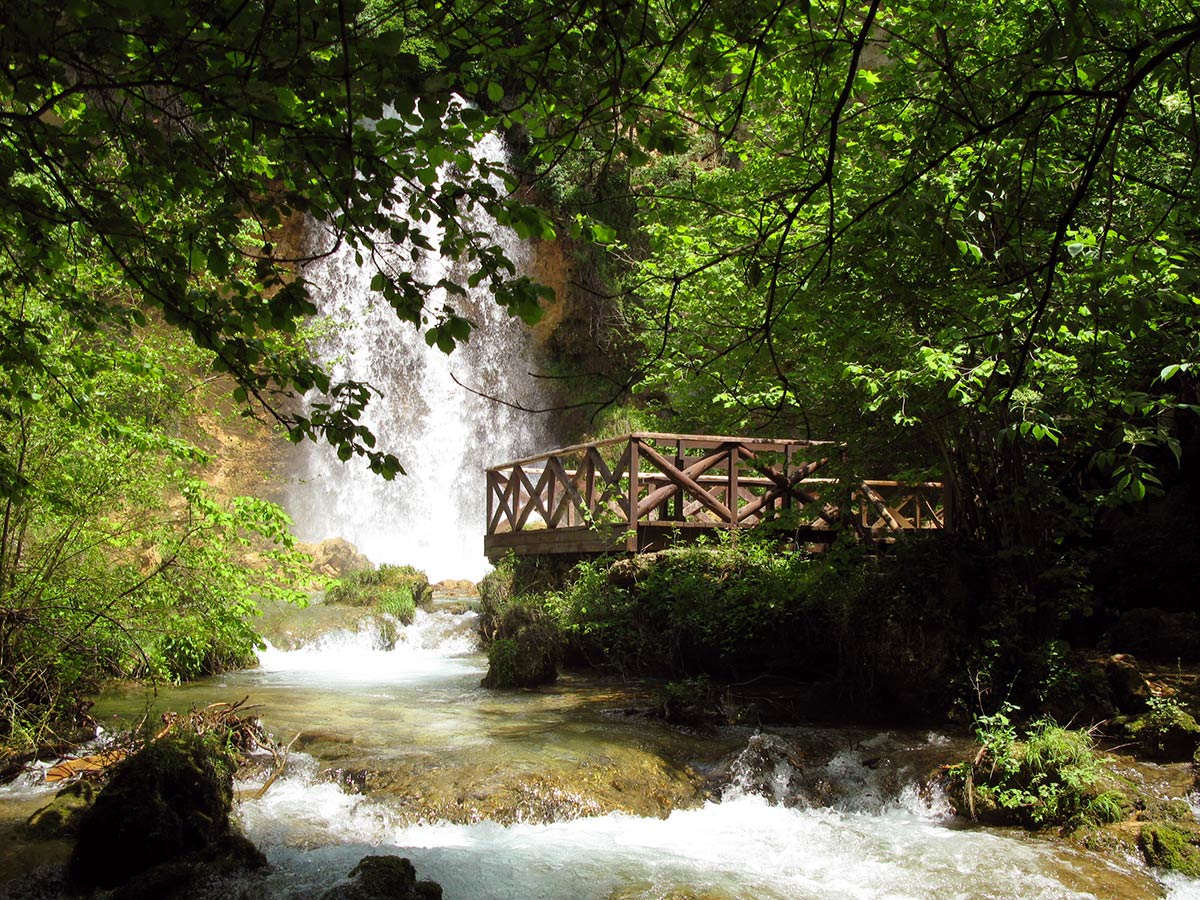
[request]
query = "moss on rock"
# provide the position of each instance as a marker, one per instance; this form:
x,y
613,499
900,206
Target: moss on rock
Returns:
x,y
62,815
395,590
1172,845
1166,731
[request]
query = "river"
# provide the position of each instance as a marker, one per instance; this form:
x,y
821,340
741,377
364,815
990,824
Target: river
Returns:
x,y
565,794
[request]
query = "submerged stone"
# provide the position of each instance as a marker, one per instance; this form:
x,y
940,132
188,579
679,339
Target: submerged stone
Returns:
x,y
384,878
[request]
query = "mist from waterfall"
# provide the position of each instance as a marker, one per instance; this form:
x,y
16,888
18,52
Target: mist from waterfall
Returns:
x,y
443,434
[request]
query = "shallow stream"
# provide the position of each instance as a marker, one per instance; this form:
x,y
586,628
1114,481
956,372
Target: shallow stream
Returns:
x,y
567,793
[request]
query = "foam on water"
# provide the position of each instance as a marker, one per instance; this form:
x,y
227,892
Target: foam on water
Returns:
x,y
745,846
436,645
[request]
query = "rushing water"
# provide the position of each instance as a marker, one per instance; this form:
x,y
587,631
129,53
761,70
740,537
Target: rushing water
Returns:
x,y
443,434
841,817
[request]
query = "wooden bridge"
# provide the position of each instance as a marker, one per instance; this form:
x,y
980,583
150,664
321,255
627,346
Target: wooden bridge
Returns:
x,y
645,491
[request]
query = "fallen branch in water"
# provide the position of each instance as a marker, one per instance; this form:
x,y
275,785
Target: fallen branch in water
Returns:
x,y
279,765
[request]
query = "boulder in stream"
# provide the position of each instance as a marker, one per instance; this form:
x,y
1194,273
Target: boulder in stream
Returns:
x,y
769,766
161,821
525,648
384,878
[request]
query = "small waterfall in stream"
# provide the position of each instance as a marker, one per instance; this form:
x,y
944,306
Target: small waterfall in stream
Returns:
x,y
444,435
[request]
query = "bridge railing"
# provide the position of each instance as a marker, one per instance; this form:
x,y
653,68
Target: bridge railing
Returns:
x,y
643,489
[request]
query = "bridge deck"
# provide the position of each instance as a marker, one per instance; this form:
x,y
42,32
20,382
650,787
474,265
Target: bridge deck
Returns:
x,y
645,491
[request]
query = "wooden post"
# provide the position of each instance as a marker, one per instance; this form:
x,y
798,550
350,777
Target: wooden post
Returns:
x,y
733,490
677,500
787,475
491,502
589,485
631,543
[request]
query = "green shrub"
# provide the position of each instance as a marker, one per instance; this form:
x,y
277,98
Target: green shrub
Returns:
x,y
1052,777
398,602
396,590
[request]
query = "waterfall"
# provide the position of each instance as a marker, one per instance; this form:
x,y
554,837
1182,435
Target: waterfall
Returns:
x,y
444,435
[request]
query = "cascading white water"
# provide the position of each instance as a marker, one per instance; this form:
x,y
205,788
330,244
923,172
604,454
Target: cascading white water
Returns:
x,y
808,814
745,847
443,434
436,645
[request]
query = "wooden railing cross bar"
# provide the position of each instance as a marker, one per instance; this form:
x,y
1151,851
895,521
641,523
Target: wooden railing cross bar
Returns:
x,y
686,481
710,460
785,487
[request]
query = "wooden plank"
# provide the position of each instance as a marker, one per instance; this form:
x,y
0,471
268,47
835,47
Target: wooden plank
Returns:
x,y
687,441
562,451
612,495
787,487
709,461
535,499
509,503
731,494
711,441
882,508
635,448
491,488
559,540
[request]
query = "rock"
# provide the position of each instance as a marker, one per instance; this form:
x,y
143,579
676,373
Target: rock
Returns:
x,y
1172,845
694,701
166,806
456,588
1129,688
384,878
62,815
525,649
306,739
1165,732
335,557
325,743
768,766
520,661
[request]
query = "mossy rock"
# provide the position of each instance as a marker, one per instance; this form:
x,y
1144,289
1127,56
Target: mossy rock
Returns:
x,y
694,701
384,878
166,803
1165,732
1172,845
62,815
525,648
520,661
